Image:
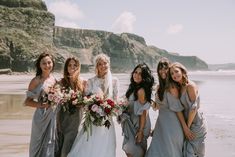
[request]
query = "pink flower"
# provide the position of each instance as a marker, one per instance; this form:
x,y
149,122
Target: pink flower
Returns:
x,y
94,108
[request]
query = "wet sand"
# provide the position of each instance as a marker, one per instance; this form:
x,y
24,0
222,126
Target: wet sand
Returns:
x,y
15,124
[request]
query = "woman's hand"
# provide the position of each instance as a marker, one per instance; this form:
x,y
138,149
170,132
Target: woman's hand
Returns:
x,y
139,136
43,105
188,133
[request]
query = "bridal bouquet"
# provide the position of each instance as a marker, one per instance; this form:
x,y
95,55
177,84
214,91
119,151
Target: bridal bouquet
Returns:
x,y
71,100
98,112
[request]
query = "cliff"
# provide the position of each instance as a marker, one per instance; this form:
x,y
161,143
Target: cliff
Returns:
x,y
27,29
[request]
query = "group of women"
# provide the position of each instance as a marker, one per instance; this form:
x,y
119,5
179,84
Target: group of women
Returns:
x,y
179,131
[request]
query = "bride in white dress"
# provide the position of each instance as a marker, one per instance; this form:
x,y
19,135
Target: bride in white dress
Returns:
x,y
102,142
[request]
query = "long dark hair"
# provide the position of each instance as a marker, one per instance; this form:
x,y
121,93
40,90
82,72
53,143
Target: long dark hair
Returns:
x,y
164,63
37,64
65,81
146,84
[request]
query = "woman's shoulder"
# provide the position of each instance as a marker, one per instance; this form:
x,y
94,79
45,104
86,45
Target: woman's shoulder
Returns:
x,y
34,83
115,80
191,85
92,79
192,90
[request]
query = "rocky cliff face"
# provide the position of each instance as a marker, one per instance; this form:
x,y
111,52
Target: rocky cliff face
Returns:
x,y
126,50
27,29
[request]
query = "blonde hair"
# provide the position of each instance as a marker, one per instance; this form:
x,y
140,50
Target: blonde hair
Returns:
x,y
98,58
108,85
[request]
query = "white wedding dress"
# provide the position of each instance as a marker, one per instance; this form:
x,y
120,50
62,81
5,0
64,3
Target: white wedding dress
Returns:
x,y
102,142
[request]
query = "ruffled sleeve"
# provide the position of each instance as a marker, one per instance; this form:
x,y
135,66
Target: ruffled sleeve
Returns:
x,y
174,103
115,88
193,105
139,108
30,94
88,89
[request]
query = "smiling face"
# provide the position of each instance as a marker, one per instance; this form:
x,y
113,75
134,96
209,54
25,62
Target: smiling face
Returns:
x,y
176,74
46,64
72,67
137,75
102,67
163,72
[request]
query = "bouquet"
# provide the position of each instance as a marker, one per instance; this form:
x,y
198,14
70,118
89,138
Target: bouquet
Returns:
x,y
98,112
71,100
53,96
123,105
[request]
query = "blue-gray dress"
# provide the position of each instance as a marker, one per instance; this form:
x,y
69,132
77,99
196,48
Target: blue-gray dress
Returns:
x,y
196,147
130,126
168,138
69,123
43,131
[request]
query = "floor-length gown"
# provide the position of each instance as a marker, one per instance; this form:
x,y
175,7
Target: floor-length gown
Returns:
x,y
69,123
168,138
102,142
195,147
130,125
43,133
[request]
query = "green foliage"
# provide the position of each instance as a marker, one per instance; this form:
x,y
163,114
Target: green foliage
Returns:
x,y
35,4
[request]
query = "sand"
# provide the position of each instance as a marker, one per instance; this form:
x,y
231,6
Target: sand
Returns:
x,y
15,126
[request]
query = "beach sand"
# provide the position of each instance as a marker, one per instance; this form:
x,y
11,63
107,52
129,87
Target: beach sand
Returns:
x,y
15,126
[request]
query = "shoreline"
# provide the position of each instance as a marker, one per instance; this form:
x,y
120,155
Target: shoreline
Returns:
x,y
15,120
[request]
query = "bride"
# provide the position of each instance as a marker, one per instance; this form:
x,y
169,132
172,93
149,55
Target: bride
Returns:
x,y
102,142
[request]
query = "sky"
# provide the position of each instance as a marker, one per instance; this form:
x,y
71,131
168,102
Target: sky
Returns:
x,y
203,28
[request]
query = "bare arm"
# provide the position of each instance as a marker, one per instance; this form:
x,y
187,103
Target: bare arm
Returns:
x,y
30,101
187,132
142,118
192,92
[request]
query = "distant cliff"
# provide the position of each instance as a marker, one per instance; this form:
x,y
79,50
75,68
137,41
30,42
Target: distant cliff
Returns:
x,y
27,29
228,66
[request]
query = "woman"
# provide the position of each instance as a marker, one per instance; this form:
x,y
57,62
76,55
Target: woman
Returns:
x,y
189,97
102,142
70,119
43,133
136,122
168,138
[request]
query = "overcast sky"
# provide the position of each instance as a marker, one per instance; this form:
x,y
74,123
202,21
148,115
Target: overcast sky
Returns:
x,y
203,28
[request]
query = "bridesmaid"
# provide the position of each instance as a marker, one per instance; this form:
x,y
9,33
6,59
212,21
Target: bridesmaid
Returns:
x,y
70,119
189,97
168,138
42,142
136,123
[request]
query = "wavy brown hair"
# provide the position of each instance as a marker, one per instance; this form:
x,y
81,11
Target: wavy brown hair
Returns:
x,y
78,82
171,82
37,63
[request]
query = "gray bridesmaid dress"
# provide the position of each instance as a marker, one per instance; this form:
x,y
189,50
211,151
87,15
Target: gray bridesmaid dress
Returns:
x,y
168,138
130,126
69,123
196,147
43,131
